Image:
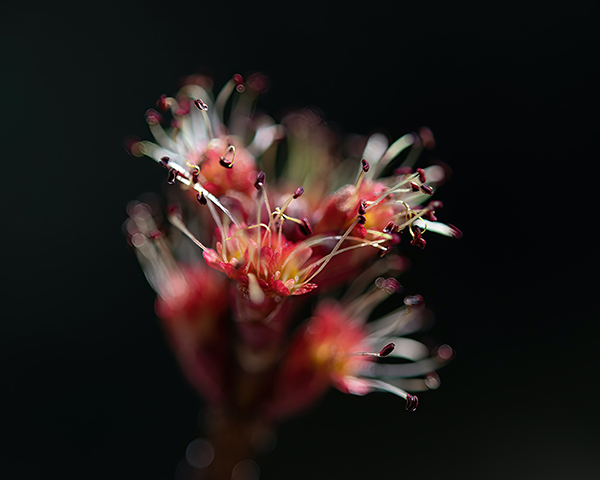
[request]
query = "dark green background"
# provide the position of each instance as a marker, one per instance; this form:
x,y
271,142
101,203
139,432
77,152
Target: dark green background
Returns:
x,y
88,387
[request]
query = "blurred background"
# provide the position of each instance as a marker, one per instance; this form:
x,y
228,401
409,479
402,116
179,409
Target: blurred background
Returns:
x,y
88,386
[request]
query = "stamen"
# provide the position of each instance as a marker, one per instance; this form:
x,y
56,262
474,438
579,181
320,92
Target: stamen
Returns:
x,y
163,103
153,117
362,207
226,162
165,160
415,187
421,173
201,199
177,222
201,105
426,189
411,402
362,219
172,175
260,180
389,285
305,227
299,191
239,81
385,351
390,227
413,300
364,169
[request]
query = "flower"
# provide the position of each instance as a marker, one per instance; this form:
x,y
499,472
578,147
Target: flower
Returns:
x,y
254,314
338,347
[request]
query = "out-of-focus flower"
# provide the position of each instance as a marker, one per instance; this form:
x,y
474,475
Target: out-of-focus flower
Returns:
x,y
238,310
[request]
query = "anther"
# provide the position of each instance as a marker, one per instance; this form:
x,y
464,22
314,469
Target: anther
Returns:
x,y
389,228
153,117
421,173
411,402
389,348
239,80
299,191
225,162
426,189
413,300
362,219
414,186
164,160
365,165
384,251
163,103
305,227
391,285
260,180
201,105
171,176
362,207
419,242
201,199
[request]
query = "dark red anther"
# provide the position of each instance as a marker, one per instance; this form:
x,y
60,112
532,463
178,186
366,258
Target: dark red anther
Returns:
x,y
165,160
365,165
403,171
421,173
239,81
163,103
389,348
391,285
362,219
299,191
389,228
411,402
225,163
414,186
260,180
201,105
201,199
305,227
418,242
362,207
153,117
171,176
413,300
426,189
386,249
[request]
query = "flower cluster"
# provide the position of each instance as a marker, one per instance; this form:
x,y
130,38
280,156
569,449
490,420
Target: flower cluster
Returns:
x,y
258,323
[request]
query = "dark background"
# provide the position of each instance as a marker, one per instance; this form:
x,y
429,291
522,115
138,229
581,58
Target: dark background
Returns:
x,y
88,386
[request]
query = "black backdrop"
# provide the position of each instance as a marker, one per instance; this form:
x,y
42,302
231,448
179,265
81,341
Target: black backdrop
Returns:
x,y
88,386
